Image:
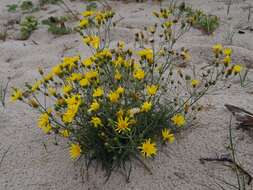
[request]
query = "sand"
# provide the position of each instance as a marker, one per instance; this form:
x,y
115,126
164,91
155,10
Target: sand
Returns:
x,y
28,165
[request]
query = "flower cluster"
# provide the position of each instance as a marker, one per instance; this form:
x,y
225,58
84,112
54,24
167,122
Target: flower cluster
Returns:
x,y
119,102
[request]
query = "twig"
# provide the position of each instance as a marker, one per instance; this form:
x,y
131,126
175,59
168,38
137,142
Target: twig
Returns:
x,y
4,154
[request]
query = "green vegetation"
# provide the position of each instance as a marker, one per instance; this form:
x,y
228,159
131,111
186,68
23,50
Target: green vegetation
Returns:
x,y
28,25
12,8
57,25
200,20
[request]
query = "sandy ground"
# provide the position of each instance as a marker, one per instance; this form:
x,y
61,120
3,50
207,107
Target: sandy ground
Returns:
x,y
29,166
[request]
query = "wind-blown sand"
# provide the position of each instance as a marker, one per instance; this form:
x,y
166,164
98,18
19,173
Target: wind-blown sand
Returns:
x,y
28,165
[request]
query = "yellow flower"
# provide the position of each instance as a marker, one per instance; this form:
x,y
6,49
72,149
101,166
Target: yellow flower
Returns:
x,y
75,151
118,62
194,83
113,97
57,70
120,90
139,74
148,148
91,75
237,69
88,13
227,51
16,95
217,49
44,123
98,92
93,41
67,89
178,120
87,62
96,121
146,54
152,89
73,100
36,86
146,106
123,124
84,82
94,106
84,23
227,60
70,114
117,75
65,133
168,136
70,62
75,76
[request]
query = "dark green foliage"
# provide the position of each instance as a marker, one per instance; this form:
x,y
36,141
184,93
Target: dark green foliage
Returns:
x,y
206,23
26,6
57,25
12,8
28,25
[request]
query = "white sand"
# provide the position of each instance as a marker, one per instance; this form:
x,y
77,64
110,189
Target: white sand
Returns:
x,y
28,166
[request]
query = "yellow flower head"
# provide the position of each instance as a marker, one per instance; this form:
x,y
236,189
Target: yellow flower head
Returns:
x,y
67,89
65,133
36,86
98,92
16,95
148,148
237,69
152,89
96,121
139,74
146,54
75,76
57,70
91,75
117,75
146,106
94,106
87,62
120,90
93,41
178,120
44,123
84,23
113,97
227,60
73,100
75,151
227,51
88,13
70,114
217,49
123,124
84,82
194,83
168,136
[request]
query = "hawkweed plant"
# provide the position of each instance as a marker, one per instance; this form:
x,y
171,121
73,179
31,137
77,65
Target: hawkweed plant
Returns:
x,y
121,104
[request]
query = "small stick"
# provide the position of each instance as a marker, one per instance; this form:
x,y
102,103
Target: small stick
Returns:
x,y
4,154
202,160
